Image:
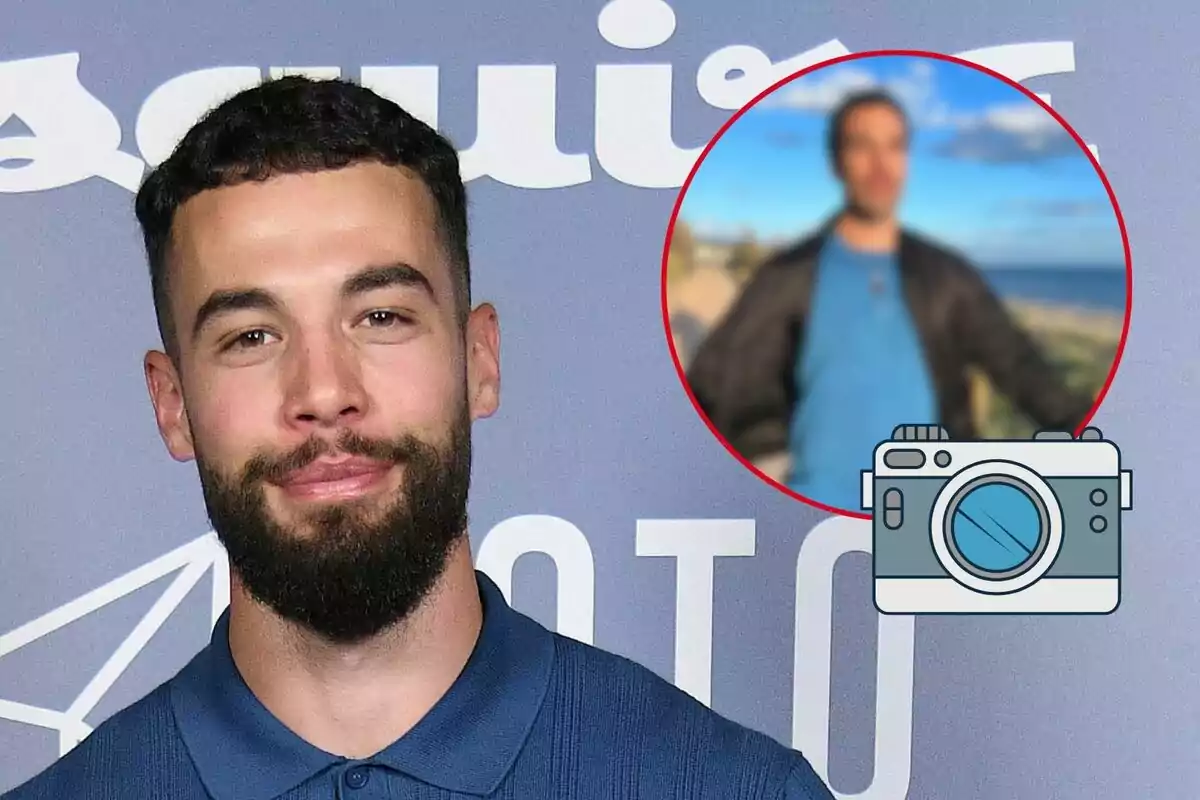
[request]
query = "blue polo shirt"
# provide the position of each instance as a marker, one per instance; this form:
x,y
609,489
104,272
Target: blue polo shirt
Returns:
x,y
533,715
860,372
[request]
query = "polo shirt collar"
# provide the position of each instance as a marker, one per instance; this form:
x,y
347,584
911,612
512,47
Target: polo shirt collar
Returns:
x,y
467,742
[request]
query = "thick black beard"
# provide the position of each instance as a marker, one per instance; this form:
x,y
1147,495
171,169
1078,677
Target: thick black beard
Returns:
x,y
351,572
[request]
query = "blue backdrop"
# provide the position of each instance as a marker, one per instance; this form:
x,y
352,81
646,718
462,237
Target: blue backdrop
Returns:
x,y
643,534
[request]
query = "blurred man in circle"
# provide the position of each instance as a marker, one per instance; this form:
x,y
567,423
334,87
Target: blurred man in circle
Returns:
x,y
323,366
864,326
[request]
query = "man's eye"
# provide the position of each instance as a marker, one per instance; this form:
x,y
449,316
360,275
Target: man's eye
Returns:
x,y
384,319
248,340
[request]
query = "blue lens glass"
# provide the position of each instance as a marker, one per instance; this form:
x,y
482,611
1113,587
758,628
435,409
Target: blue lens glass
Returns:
x,y
996,527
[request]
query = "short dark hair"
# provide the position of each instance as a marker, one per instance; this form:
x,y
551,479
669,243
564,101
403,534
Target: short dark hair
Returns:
x,y
291,125
854,101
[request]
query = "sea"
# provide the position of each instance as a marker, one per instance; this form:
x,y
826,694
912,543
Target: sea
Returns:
x,y
1093,287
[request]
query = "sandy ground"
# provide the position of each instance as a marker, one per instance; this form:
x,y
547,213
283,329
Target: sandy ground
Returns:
x,y
704,295
695,304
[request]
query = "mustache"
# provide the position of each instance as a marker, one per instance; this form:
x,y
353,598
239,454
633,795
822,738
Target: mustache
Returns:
x,y
275,468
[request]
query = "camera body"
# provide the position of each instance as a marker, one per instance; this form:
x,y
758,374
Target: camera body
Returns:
x,y
996,527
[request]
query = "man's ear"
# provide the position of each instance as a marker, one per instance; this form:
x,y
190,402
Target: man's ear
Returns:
x,y
483,361
166,394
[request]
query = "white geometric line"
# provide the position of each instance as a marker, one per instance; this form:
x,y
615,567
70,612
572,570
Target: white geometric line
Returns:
x,y
220,580
71,734
32,715
197,549
137,639
193,558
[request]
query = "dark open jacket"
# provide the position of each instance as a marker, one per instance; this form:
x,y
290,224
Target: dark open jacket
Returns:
x,y
743,375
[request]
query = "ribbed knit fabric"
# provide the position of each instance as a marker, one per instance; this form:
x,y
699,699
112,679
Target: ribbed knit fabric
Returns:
x,y
534,716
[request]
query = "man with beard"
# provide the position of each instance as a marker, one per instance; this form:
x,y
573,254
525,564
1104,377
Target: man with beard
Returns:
x,y
863,327
322,364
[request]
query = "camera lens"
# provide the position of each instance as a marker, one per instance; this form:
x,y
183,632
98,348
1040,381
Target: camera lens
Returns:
x,y
996,528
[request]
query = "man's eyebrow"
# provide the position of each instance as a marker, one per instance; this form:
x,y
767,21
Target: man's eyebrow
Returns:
x,y
384,277
367,280
229,300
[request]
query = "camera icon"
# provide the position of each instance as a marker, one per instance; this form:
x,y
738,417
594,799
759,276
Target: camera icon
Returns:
x,y
996,527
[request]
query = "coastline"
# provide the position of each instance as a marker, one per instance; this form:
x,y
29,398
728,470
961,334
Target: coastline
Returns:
x,y
708,291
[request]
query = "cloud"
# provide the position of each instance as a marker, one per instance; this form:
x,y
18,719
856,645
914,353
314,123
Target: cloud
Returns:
x,y
1014,132
822,91
1074,209
815,92
1009,133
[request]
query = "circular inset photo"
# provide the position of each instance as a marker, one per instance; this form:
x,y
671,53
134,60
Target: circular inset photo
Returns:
x,y
892,239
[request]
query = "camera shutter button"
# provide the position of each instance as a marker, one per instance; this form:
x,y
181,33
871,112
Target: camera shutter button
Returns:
x,y
920,433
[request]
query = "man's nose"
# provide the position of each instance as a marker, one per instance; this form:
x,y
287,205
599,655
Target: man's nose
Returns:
x,y
325,386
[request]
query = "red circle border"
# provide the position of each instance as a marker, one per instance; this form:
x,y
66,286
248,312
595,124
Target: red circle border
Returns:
x,y
1112,372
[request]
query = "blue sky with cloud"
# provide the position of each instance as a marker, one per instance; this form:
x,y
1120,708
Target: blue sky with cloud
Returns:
x,y
991,172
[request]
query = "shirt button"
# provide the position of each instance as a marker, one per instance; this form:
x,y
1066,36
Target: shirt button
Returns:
x,y
357,778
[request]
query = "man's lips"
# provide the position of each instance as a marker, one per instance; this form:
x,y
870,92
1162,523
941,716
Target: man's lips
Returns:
x,y
326,470
345,477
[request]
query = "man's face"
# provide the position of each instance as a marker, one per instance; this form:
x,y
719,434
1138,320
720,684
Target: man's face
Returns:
x,y
325,389
874,159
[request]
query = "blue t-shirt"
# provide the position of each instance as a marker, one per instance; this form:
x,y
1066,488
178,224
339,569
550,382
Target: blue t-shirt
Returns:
x,y
860,372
